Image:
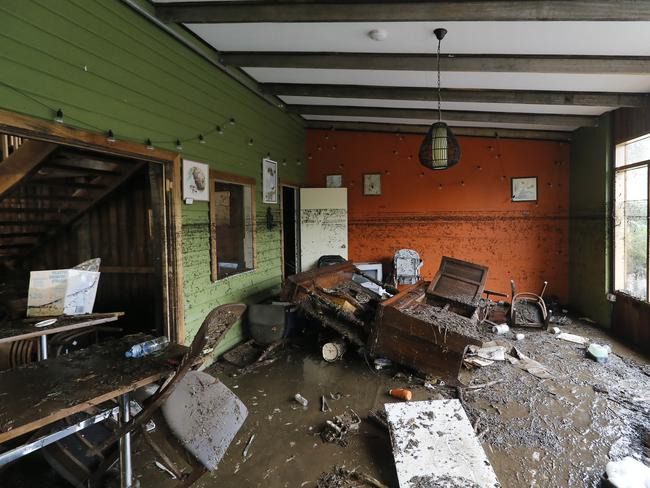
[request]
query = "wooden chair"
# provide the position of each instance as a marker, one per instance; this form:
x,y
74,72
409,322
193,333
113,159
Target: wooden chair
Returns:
x,y
211,332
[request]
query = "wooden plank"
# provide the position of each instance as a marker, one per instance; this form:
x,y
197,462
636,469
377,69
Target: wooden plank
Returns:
x,y
434,444
422,129
571,121
46,130
23,162
18,331
448,62
56,388
442,11
532,97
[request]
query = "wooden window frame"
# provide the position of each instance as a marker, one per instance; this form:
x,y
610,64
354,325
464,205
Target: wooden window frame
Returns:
x,y
216,175
615,171
172,254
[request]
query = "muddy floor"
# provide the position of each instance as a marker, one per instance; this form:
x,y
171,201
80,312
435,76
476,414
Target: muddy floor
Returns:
x,y
556,432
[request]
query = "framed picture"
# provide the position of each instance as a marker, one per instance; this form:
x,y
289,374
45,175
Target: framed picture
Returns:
x,y
269,181
334,181
524,189
372,184
195,181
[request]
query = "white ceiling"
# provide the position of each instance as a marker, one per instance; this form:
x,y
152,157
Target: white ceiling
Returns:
x,y
394,120
466,106
493,38
480,80
579,38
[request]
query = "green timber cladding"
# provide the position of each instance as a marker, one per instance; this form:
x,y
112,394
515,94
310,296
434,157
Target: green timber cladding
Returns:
x,y
589,230
108,67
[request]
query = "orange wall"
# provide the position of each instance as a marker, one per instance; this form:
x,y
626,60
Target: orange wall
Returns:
x,y
464,212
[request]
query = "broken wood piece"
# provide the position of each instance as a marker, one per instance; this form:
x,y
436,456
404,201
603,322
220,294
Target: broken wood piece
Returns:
x,y
248,446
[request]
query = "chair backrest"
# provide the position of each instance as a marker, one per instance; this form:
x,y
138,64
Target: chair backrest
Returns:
x,y
406,266
214,327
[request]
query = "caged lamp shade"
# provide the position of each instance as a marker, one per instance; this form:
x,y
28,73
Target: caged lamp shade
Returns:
x,y
439,149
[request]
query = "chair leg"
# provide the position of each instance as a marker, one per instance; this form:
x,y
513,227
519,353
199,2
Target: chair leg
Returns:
x,y
198,470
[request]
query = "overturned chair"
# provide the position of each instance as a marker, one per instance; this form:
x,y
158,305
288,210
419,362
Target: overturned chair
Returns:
x,y
176,402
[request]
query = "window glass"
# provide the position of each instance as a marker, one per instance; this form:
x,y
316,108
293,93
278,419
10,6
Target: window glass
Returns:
x,y
632,152
631,231
232,235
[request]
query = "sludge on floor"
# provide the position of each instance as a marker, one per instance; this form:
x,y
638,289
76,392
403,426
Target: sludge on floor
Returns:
x,y
560,431
553,432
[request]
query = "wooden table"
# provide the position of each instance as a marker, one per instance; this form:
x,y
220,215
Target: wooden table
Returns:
x,y
21,330
37,394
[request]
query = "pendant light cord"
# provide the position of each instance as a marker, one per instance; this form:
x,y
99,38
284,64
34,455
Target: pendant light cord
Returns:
x,y
439,95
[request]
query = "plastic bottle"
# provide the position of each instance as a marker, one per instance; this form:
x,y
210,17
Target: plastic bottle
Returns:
x,y
147,347
301,399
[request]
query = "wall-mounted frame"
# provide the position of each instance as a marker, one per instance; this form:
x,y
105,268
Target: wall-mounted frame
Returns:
x,y
523,189
372,184
195,181
269,181
333,181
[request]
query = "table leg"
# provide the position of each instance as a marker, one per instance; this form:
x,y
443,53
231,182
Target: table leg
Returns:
x,y
126,475
42,347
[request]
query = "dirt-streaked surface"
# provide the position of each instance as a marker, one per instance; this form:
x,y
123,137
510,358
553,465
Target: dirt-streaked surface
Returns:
x,y
557,432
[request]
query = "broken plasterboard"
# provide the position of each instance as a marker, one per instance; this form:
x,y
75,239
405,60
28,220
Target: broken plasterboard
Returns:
x,y
434,444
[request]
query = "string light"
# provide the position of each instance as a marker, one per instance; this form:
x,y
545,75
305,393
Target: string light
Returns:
x,y
149,144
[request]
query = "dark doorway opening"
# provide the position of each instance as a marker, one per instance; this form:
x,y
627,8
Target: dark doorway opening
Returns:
x,y
289,230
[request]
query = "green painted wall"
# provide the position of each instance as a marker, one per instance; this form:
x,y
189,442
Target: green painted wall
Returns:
x,y
108,67
589,230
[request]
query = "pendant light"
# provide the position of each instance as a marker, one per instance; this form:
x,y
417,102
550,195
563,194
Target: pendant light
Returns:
x,y
439,149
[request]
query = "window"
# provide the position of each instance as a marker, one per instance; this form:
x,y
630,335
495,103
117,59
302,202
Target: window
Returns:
x,y
232,225
631,217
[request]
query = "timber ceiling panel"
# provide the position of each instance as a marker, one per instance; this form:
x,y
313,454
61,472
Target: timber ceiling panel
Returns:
x,y
535,65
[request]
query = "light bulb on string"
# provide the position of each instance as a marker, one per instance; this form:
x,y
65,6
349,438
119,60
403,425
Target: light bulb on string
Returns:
x,y
179,146
110,137
59,116
201,139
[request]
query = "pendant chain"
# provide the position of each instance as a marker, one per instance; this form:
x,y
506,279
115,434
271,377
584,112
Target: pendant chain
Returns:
x,y
439,95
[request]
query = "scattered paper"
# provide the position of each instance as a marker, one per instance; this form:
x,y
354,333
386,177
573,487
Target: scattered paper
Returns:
x,y
476,361
527,364
572,338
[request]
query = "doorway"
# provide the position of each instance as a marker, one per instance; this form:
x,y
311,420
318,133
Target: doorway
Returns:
x,y
290,256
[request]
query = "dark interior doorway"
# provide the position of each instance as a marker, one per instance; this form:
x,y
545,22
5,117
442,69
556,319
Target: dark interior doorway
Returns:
x,y
289,230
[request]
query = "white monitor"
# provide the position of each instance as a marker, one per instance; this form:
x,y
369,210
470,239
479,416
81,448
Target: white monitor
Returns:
x,y
374,270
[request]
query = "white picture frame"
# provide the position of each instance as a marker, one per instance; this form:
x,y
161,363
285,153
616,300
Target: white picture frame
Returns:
x,y
372,184
334,181
269,181
196,181
524,189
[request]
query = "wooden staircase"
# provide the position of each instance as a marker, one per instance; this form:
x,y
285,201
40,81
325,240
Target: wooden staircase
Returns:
x,y
45,187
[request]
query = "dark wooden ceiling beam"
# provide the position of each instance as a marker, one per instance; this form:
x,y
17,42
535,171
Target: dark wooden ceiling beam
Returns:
x,y
439,11
447,115
535,97
507,63
422,129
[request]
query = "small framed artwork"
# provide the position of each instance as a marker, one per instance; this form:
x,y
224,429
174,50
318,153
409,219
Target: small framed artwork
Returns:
x,y
334,181
269,181
195,181
372,184
524,189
